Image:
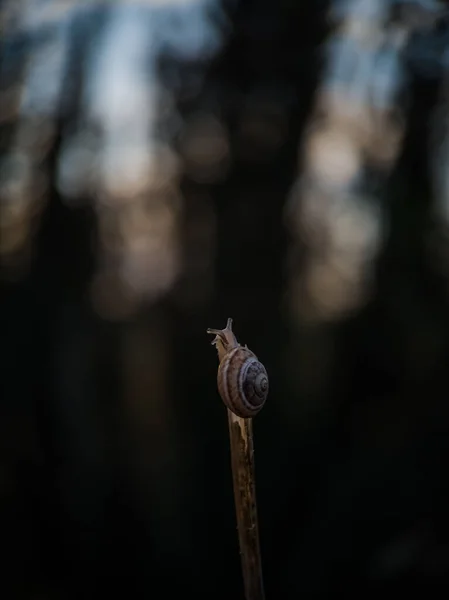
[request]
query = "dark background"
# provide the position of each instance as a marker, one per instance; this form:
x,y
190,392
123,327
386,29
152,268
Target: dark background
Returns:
x,y
115,471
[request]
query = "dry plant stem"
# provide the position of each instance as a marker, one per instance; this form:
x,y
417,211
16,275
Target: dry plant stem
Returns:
x,y
243,386
243,473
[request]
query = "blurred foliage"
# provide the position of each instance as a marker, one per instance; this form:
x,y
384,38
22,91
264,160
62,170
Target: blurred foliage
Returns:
x,y
158,160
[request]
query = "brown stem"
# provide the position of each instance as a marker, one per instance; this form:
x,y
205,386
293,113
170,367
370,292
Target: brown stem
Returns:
x,y
243,473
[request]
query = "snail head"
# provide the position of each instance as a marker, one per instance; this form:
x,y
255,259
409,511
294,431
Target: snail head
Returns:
x,y
224,340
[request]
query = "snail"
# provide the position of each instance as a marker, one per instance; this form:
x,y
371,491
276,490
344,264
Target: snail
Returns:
x,y
242,379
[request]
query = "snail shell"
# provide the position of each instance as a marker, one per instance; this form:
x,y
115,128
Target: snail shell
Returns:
x,y
242,380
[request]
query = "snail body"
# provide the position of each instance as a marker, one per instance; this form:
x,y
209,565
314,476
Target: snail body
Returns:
x,y
242,379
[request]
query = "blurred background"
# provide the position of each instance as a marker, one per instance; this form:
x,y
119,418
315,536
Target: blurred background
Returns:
x,y
165,165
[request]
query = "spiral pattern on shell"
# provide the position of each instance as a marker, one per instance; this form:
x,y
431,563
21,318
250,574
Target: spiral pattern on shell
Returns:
x,y
242,382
